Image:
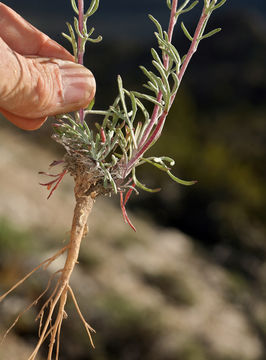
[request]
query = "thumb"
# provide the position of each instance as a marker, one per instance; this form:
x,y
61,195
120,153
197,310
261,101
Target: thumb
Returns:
x,y
33,88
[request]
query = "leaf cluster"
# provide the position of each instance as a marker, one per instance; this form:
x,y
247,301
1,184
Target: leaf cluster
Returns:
x,y
128,129
84,35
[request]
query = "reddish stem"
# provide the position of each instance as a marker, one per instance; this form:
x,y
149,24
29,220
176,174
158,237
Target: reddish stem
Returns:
x,y
124,212
128,194
81,13
154,136
194,44
171,26
80,51
154,116
144,143
57,183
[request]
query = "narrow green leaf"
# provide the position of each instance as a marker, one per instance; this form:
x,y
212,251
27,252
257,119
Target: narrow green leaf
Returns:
x,y
98,112
73,122
111,145
162,43
190,7
76,26
163,158
87,129
105,180
162,72
121,137
92,150
73,39
97,40
161,166
67,37
169,48
109,135
147,97
170,160
145,71
221,3
74,6
88,34
143,109
180,181
165,89
173,57
118,155
138,130
186,32
91,104
169,4
154,87
111,180
157,24
149,75
98,126
211,33
122,97
180,9
183,58
156,56
140,185
176,82
124,157
83,44
150,86
165,36
118,113
92,8
97,142
175,54
134,106
114,160
162,87
203,28
113,185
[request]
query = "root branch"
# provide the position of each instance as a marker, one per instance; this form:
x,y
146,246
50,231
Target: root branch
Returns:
x,y
52,312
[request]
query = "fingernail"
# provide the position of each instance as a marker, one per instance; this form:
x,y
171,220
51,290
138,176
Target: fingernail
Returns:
x,y
78,84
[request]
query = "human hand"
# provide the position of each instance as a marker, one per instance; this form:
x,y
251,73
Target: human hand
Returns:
x,y
38,77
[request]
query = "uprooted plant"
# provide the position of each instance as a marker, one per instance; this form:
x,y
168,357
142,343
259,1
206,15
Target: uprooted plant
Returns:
x,y
104,161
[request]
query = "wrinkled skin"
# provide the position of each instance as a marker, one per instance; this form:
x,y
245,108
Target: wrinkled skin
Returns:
x,y
38,77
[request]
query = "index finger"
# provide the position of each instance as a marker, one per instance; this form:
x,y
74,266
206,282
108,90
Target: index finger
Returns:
x,y
25,39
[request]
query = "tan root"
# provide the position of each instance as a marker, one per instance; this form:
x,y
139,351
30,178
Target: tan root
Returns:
x,y
53,310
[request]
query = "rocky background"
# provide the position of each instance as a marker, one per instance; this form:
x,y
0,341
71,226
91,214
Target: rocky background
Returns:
x,y
154,294
190,284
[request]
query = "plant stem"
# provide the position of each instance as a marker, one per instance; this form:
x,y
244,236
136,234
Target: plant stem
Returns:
x,y
155,135
80,50
144,143
171,26
80,47
195,42
156,108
